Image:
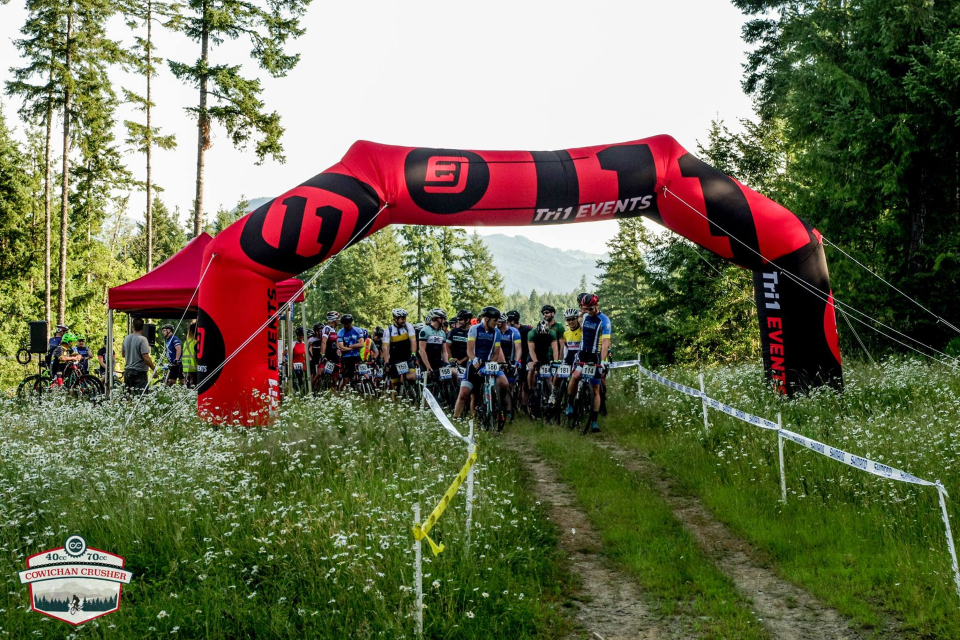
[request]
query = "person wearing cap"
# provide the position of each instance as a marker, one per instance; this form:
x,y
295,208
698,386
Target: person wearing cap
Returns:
x,y
136,355
174,352
189,358
299,362
52,344
350,340
84,352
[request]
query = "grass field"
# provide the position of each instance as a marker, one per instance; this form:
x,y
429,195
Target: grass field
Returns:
x,y
875,549
299,531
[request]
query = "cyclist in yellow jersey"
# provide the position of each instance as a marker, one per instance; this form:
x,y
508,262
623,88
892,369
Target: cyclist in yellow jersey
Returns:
x,y
570,343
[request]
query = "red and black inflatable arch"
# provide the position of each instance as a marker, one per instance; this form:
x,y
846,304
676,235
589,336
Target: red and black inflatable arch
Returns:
x,y
653,177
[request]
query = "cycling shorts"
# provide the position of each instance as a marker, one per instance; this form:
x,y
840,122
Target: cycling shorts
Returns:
x,y
473,376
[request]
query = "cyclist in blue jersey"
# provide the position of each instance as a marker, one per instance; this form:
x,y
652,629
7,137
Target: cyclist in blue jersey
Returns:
x,y
349,341
512,346
594,348
483,345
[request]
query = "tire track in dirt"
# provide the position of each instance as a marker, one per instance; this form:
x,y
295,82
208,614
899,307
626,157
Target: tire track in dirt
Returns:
x,y
608,604
787,611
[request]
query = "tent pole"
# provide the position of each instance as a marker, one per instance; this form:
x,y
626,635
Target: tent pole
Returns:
x,y
303,321
108,354
290,341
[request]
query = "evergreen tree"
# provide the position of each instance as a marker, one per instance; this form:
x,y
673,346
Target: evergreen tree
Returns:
x,y
423,260
42,48
143,135
236,103
169,236
478,283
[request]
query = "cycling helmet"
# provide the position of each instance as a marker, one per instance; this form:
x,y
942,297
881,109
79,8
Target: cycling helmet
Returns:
x,y
571,313
167,326
513,316
62,327
347,317
465,314
378,332
543,328
548,308
68,337
418,327
81,337
503,318
332,315
399,313
437,313
589,299
299,331
490,312
580,297
317,328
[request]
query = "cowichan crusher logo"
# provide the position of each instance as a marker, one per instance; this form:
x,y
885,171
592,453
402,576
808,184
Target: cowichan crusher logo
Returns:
x,y
74,583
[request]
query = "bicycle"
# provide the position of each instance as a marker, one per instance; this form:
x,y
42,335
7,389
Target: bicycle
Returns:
x,y
408,389
440,384
76,383
583,400
361,381
490,414
328,376
36,384
556,410
540,394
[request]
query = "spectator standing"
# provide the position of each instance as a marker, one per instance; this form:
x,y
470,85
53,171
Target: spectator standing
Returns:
x,y
189,359
136,354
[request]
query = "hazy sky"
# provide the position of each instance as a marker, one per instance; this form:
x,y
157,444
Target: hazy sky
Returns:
x,y
491,75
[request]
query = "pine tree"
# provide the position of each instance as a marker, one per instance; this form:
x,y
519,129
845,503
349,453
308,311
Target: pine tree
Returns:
x,y
236,99
143,135
478,283
42,48
169,236
423,260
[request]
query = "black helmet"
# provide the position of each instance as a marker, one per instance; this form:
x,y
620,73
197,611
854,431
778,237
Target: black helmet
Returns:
x,y
167,326
513,316
548,308
347,317
317,328
588,299
490,312
378,332
465,314
436,313
299,331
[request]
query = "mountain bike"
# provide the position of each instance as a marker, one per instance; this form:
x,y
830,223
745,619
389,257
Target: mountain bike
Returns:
x,y
555,412
583,400
408,389
73,381
328,376
33,386
440,384
540,394
489,409
362,381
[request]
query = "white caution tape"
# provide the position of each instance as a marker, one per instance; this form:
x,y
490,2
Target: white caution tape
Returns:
x,y
857,462
442,417
624,363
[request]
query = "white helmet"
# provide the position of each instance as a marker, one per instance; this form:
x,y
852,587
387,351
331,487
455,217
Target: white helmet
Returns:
x,y
399,313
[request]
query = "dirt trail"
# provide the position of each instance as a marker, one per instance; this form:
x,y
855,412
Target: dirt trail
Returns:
x,y
787,611
609,604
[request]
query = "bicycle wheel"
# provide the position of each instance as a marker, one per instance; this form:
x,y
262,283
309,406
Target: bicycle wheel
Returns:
x,y
87,387
499,417
32,387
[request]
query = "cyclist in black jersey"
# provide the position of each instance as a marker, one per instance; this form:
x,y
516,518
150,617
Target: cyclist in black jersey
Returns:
x,y
524,329
544,349
402,341
457,341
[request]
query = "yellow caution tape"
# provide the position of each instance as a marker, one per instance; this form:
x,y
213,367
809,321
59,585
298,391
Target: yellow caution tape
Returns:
x,y
420,531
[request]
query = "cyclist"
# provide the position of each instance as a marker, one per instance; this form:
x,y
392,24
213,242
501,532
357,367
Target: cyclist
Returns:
x,y
174,351
432,340
483,344
548,312
594,348
570,344
189,358
402,343
315,348
84,352
53,343
298,361
544,350
524,329
510,345
350,340
102,359
328,344
63,355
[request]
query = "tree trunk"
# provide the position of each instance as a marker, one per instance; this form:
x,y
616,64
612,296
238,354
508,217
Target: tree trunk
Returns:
x,y
47,204
65,185
149,220
203,127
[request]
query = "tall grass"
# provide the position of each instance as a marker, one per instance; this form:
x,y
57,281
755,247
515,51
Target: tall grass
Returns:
x,y
873,548
300,530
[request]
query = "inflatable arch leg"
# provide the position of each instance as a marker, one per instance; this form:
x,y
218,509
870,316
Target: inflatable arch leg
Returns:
x,y
375,185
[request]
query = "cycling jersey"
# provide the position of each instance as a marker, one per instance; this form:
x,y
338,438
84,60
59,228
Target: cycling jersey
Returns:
x,y
85,363
330,334
172,345
541,345
573,339
484,342
508,340
314,343
524,330
434,339
399,340
354,336
595,329
299,355
457,339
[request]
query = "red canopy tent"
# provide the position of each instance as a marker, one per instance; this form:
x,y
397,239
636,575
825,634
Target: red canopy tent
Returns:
x,y
171,287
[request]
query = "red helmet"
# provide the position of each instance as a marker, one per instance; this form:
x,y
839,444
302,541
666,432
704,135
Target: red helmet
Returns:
x,y
589,299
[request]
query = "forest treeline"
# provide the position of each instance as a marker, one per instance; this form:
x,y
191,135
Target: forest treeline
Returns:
x,y
855,130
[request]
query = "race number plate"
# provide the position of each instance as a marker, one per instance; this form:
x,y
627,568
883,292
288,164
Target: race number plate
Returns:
x,y
563,371
491,368
329,367
298,366
363,369
402,367
589,370
545,371
378,372
445,373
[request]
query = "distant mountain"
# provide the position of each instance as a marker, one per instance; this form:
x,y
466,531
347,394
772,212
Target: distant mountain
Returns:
x,y
527,265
